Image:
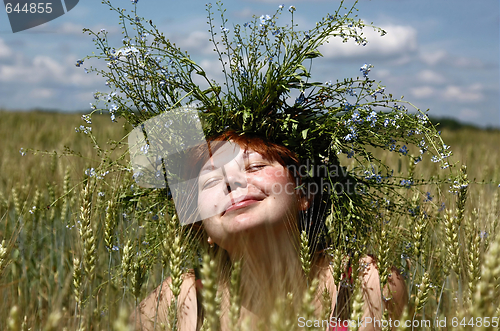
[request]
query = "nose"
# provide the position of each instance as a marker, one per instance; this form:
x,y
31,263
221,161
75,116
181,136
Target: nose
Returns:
x,y
234,178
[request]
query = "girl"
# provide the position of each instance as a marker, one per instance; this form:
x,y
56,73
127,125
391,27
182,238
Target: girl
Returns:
x,y
253,212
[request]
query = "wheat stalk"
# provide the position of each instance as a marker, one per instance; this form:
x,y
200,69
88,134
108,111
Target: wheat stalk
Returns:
x,y
487,287
13,319
305,256
77,282
3,256
87,233
109,225
234,309
451,226
423,293
210,300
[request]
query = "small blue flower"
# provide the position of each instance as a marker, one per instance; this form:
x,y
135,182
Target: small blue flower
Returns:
x,y
281,6
350,154
87,119
406,183
446,165
372,117
428,197
300,99
224,29
90,172
291,9
365,69
443,206
22,152
379,91
403,150
264,19
134,1
393,145
79,63
356,118
347,106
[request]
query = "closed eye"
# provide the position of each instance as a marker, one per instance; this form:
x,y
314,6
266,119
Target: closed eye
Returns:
x,y
211,183
256,167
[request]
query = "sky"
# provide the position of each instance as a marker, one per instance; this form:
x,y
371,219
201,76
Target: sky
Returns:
x,y
441,55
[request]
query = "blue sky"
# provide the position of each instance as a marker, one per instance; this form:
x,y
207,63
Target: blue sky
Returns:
x,y
442,55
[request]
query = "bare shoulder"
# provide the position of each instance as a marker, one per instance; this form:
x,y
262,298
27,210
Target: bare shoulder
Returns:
x,y
152,312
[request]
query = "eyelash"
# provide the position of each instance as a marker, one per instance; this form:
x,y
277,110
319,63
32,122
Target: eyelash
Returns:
x,y
251,168
211,182
255,167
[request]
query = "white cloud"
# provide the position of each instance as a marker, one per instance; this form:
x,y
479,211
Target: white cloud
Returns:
x,y
464,62
398,42
382,73
444,58
5,51
46,70
431,77
41,93
245,13
196,41
454,93
433,58
464,94
422,91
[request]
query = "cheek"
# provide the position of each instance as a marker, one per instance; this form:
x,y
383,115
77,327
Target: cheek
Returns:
x,y
275,181
208,202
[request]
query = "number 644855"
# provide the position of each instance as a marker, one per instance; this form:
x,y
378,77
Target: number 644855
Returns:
x,y
30,8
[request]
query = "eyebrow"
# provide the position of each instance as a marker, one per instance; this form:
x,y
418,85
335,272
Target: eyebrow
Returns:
x,y
208,167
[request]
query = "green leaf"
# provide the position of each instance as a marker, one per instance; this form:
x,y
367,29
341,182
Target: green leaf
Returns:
x,y
313,54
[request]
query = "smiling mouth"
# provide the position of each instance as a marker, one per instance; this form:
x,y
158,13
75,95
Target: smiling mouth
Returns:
x,y
241,204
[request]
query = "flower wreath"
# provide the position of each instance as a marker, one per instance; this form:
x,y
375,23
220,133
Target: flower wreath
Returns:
x,y
268,89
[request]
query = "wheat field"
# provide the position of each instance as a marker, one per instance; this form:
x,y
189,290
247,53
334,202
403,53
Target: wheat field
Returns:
x,y
79,254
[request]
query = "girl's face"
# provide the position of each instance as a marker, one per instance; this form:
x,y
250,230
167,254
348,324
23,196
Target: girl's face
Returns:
x,y
245,194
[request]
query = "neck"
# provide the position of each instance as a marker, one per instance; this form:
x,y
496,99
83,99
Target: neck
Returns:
x,y
270,267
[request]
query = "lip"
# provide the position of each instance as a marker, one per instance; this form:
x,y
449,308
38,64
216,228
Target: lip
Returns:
x,y
241,202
